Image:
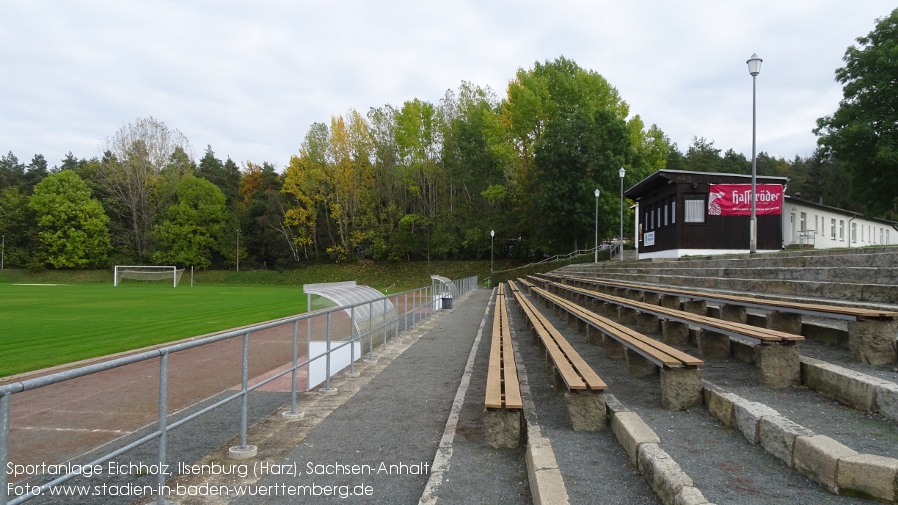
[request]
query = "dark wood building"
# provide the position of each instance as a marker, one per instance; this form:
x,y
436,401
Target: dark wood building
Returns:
x,y
674,218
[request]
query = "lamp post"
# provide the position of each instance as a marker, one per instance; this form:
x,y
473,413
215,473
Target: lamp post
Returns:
x,y
2,252
621,173
238,249
754,68
596,260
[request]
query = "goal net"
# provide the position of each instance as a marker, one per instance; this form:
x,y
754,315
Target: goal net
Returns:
x,y
148,273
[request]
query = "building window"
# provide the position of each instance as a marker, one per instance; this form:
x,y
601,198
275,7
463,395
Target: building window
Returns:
x,y
832,229
854,232
665,214
673,212
801,223
841,230
694,209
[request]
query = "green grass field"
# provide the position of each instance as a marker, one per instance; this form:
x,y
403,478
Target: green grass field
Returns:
x,y
56,317
46,325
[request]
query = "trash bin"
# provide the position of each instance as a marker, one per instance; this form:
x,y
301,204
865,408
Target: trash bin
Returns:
x,y
447,302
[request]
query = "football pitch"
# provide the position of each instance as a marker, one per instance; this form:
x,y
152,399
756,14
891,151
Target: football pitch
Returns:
x,y
43,325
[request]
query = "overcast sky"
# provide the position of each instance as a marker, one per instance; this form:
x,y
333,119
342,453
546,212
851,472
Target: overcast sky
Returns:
x,y
249,78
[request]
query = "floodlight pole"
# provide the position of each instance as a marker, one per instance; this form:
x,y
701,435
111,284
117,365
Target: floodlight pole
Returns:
x,y
2,252
238,249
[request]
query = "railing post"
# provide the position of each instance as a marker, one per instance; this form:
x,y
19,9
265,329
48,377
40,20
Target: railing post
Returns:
x,y
383,317
244,451
327,362
396,337
163,426
352,335
4,447
371,330
293,414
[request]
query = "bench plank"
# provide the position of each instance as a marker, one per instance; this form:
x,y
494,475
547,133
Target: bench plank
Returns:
x,y
663,353
857,313
575,372
763,335
502,386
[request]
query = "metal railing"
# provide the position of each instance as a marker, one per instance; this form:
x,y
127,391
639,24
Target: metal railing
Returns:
x,y
418,309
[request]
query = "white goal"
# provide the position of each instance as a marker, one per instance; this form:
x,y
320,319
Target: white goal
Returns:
x,y
148,273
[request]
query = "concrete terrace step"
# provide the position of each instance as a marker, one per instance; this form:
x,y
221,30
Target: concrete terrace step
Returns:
x,y
868,294
857,275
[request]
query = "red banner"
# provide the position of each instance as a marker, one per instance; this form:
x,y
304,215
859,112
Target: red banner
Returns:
x,y
735,200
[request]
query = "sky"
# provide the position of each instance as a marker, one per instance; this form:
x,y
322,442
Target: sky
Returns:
x,y
250,78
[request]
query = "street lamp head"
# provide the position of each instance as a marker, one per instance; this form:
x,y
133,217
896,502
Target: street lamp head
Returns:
x,y
754,65
621,172
597,193
492,233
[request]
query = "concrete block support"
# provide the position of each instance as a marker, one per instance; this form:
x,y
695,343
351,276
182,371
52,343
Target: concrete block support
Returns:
x,y
778,365
733,313
652,298
613,348
817,458
869,476
785,322
681,388
587,410
674,332
671,302
873,341
626,315
638,366
648,324
503,428
713,345
743,351
699,307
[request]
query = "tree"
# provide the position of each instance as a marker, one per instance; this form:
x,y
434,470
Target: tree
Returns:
x,y
11,171
17,225
577,154
35,172
73,228
192,228
132,162
863,132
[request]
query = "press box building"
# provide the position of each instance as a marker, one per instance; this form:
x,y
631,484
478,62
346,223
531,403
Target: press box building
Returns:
x,y
681,213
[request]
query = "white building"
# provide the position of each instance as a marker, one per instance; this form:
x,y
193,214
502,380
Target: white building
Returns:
x,y
822,227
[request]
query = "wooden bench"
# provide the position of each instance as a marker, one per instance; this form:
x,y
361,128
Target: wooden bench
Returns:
x,y
503,403
774,352
585,396
871,332
681,385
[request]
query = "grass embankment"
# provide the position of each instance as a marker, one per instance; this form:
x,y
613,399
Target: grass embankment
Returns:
x,y
57,317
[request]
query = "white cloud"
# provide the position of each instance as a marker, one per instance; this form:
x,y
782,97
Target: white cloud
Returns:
x,y
250,78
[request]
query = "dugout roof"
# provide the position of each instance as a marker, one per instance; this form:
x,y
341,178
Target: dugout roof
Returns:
x,y
363,303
